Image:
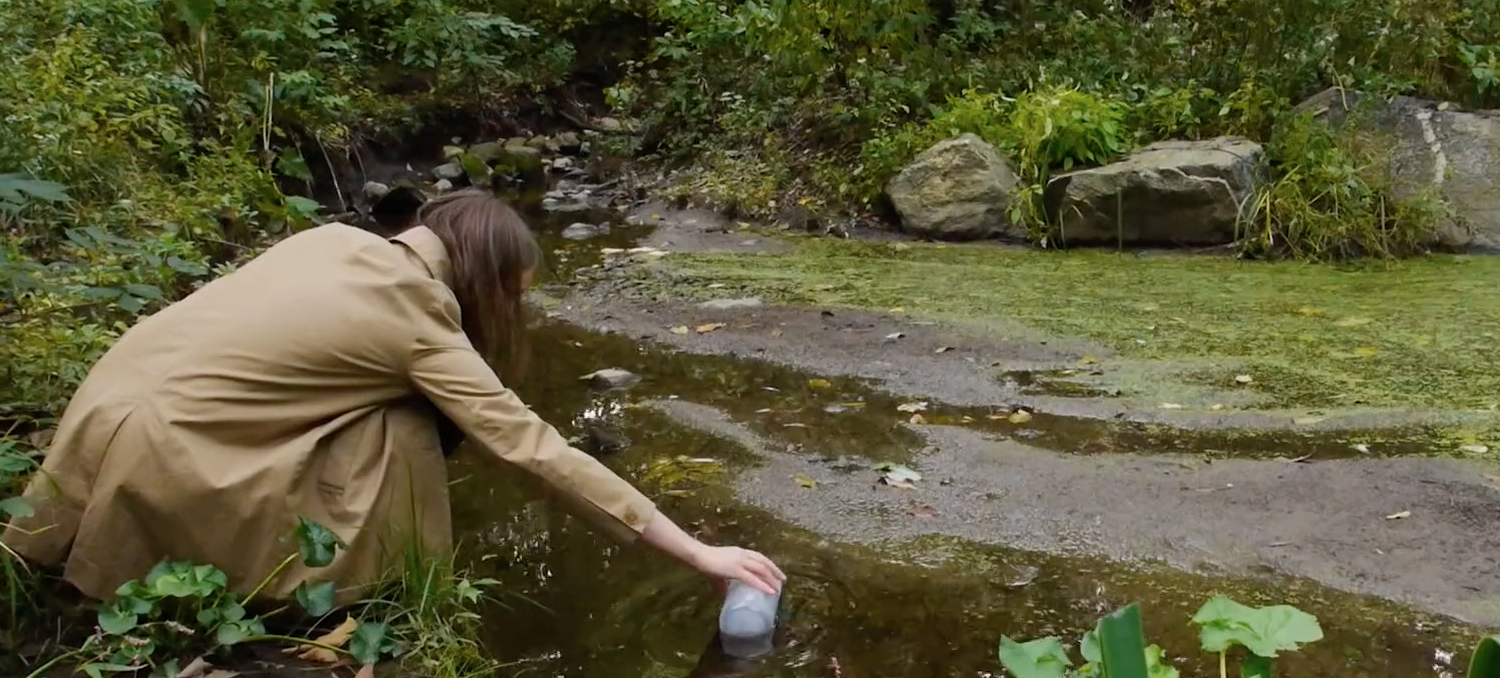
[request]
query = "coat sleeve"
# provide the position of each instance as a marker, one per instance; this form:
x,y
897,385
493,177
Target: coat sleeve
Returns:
x,y
444,367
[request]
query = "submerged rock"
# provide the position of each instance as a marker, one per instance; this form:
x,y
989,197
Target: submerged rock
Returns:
x,y
960,189
450,171
732,304
611,378
583,231
1432,145
1168,193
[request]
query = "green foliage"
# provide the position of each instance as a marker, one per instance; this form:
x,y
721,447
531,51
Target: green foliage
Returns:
x,y
1332,198
1486,660
1117,648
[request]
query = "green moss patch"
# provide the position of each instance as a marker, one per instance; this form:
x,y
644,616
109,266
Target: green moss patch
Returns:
x,y
1413,334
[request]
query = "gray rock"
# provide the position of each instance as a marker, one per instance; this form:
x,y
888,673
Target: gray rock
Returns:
x,y
442,186
520,158
960,189
540,143
569,142
732,304
1168,193
583,231
452,152
374,190
562,164
609,125
1433,145
611,378
449,171
488,151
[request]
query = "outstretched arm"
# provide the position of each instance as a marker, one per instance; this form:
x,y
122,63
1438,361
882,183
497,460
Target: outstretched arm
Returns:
x,y
718,562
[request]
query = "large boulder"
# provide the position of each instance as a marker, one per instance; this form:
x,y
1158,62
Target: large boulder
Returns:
x,y
1168,193
1433,144
960,189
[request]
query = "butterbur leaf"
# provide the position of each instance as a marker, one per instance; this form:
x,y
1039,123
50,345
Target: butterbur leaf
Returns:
x,y
116,618
300,208
317,599
1040,658
1255,667
1264,631
372,641
1156,666
1088,646
15,507
234,633
316,543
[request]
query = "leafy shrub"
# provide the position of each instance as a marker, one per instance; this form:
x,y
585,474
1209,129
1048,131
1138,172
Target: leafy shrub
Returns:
x,y
1332,199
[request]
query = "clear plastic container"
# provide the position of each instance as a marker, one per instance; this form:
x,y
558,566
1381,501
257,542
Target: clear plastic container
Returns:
x,y
747,622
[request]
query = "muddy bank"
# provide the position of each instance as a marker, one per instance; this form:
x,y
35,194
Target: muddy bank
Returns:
x,y
1417,531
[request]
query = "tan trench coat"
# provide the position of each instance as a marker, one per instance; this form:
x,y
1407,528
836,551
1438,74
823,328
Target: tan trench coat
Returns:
x,y
300,385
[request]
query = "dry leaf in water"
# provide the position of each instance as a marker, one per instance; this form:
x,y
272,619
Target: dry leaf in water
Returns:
x,y
1353,322
805,480
1089,360
1399,516
918,419
1020,417
1170,406
1475,449
1244,380
818,383
334,638
923,511
1366,352
680,329
911,407
705,329
777,334
943,349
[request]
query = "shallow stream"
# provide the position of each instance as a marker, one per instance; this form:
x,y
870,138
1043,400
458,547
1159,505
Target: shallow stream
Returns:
x,y
574,604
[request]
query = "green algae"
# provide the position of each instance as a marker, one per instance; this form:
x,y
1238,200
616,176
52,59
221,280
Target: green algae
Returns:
x,y
1413,334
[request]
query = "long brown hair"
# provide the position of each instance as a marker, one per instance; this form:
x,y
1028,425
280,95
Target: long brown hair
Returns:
x,y
491,249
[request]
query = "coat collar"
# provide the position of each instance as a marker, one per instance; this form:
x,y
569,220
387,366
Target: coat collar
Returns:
x,y
426,245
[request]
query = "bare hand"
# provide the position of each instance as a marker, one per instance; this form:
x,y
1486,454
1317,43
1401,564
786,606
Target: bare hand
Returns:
x,y
723,563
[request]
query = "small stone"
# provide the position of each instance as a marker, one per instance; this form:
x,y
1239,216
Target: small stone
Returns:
x,y
611,378
609,125
442,186
449,171
581,231
569,142
731,304
452,152
375,190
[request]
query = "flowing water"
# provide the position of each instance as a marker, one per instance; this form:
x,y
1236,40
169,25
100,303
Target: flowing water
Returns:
x,y
574,604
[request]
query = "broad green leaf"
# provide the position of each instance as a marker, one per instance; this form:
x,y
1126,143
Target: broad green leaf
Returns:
x,y
15,507
1040,658
97,670
116,618
1486,660
18,188
196,13
234,633
1088,646
1122,643
145,291
1156,666
300,208
1264,631
476,169
316,543
1255,667
371,642
317,599
292,164
186,267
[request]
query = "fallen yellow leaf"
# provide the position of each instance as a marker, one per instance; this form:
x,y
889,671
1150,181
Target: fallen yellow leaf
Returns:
x,y
818,383
805,480
334,638
1399,516
680,329
918,419
1088,360
705,329
1366,351
1309,311
1020,417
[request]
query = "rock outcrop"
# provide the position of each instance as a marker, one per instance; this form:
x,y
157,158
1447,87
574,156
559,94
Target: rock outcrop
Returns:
x,y
960,189
1433,144
1189,193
